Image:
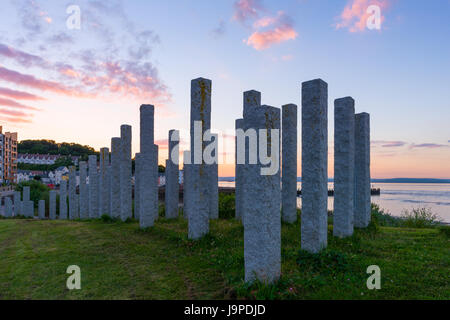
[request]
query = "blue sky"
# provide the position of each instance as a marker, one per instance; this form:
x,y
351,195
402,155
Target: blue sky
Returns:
x,y
399,74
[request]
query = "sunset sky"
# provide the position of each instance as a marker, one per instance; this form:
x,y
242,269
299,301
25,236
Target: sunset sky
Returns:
x,y
73,85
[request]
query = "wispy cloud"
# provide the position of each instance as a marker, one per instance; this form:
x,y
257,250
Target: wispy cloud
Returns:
x,y
354,16
220,29
268,30
18,95
14,104
429,146
245,10
389,144
282,31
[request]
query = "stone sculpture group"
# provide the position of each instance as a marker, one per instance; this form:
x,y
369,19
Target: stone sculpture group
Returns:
x,y
262,200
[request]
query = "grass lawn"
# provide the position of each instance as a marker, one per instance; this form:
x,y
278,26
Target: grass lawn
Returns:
x,y
119,261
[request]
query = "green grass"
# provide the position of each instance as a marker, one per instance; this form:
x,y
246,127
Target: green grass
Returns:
x,y
119,261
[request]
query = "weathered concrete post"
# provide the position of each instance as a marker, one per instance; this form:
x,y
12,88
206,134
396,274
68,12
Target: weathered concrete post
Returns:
x,y
84,205
125,173
148,167
214,179
289,163
72,192
93,187
314,165
17,204
238,174
172,188
41,209
115,177
104,195
8,207
362,170
52,205
344,166
187,197
63,200
262,218
200,174
27,205
137,185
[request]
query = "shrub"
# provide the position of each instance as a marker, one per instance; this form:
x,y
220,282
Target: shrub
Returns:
x,y
227,207
420,218
38,191
384,219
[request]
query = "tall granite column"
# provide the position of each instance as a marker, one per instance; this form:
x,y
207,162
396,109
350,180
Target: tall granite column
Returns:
x,y
172,189
262,220
93,187
187,197
238,173
344,166
155,171
41,209
289,163
115,177
27,205
17,204
314,165
125,173
52,205
63,200
149,168
362,170
8,207
137,185
214,180
104,194
72,192
200,174
84,204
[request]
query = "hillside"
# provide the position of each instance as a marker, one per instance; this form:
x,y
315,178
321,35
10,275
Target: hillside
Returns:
x,y
118,261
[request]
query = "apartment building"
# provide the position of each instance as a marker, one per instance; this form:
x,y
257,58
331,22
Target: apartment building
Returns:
x,y
8,156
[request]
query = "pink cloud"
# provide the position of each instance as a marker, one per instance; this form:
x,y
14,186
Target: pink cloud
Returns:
x,y
32,82
14,113
14,104
245,10
261,40
21,57
18,95
15,119
354,16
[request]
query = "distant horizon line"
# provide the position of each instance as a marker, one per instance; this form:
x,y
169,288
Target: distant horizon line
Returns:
x,y
398,180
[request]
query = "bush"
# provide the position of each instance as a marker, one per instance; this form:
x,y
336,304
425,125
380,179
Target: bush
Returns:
x,y
227,208
384,219
420,218
38,191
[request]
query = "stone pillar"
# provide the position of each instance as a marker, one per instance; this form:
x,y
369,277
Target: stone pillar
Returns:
x,y
172,188
137,185
252,100
314,165
289,163
362,170
52,205
41,209
63,200
17,204
93,187
214,180
262,218
200,174
186,183
148,168
125,173
115,177
104,194
8,207
72,192
344,166
238,173
84,192
27,205
28,209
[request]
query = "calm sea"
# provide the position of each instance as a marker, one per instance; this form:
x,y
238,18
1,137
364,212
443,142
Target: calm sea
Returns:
x,y
397,197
